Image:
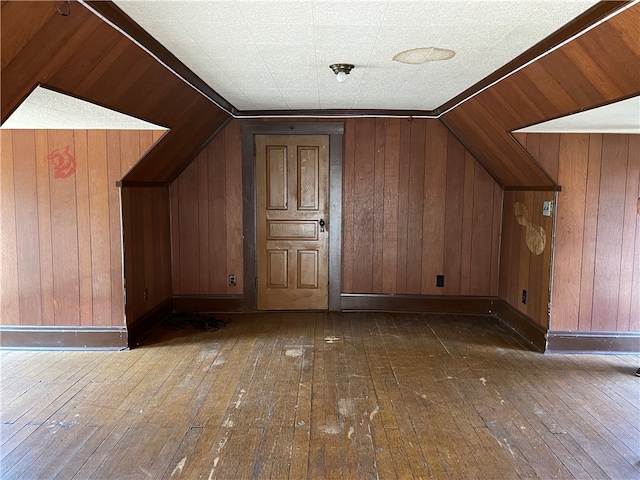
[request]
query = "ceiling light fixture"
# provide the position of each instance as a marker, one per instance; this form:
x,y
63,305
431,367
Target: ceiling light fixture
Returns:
x,y
341,70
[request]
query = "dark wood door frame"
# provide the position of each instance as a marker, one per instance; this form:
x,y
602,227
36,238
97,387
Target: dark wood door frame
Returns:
x,y
335,131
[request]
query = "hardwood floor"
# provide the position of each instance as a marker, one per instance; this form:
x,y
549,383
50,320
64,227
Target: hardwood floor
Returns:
x,y
320,395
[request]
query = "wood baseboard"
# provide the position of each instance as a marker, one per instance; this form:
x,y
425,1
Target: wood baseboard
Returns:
x,y
593,342
141,327
525,326
208,303
62,337
415,303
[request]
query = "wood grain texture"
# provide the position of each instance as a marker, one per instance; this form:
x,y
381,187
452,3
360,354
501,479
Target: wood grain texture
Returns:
x,y
206,215
597,242
597,68
609,234
64,237
83,56
268,396
61,237
9,294
428,207
147,249
394,240
439,142
520,268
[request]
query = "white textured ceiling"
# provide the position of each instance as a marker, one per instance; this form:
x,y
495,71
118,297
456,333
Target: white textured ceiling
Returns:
x,y
275,55
46,109
618,117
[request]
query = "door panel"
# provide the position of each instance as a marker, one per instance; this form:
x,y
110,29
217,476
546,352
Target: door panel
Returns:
x,y
292,198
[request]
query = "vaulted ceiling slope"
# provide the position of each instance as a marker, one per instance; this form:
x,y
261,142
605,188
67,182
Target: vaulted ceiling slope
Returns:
x,y
597,68
83,56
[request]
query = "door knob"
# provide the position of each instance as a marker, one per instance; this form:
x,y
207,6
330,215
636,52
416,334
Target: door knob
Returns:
x,y
322,224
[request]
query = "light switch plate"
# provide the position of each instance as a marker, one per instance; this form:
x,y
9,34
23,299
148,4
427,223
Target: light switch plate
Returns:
x,y
547,208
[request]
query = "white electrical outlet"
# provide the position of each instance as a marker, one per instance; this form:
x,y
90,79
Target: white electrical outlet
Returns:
x,y
547,208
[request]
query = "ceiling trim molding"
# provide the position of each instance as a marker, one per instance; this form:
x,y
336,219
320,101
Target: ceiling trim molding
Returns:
x,y
113,15
335,113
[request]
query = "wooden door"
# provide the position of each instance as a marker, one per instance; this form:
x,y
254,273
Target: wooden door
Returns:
x,y
291,221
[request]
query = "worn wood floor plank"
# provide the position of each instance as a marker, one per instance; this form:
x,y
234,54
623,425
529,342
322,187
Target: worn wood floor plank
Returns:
x,y
321,395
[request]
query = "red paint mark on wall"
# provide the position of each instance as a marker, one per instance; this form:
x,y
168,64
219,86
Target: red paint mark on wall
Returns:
x,y
63,162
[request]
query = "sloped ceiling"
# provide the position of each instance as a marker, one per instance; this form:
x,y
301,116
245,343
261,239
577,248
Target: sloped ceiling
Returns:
x,y
597,68
84,56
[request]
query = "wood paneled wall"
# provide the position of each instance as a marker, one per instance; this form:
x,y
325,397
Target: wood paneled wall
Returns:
x,y
83,56
147,252
206,219
596,280
61,244
598,67
415,204
520,268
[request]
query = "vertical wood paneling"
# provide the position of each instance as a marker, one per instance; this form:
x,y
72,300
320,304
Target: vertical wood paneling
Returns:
x,y
538,304
496,231
176,269
100,233
634,169
400,214
27,229
520,269
438,140
162,256
348,208
83,213
390,210
416,207
188,211
481,243
203,219
453,218
630,219
467,223
147,249
64,235
114,173
589,235
44,226
429,203
378,202
61,237
571,208
9,296
206,219
217,197
596,264
403,209
549,149
233,201
611,210
364,178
